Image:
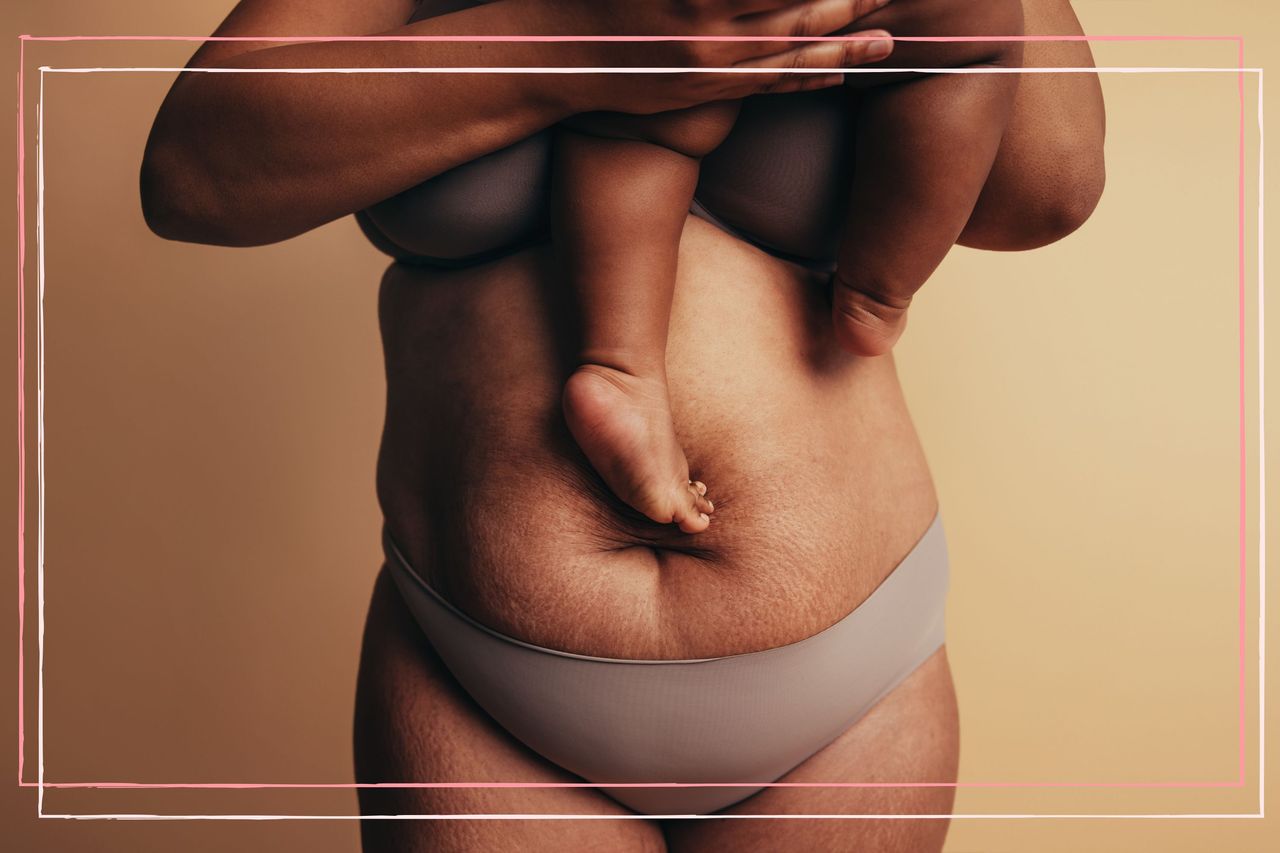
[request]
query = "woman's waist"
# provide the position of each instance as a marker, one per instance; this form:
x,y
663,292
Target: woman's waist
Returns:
x,y
818,478
538,550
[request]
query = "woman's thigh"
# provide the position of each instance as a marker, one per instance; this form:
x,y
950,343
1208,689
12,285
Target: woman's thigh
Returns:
x,y
413,723
911,736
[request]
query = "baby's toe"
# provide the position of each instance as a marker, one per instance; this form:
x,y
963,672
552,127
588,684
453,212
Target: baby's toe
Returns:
x,y
694,514
694,522
698,498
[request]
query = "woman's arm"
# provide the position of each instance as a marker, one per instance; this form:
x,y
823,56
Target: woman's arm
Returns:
x,y
253,158
1049,172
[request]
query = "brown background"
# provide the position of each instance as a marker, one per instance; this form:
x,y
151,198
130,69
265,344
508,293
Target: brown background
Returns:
x,y
212,418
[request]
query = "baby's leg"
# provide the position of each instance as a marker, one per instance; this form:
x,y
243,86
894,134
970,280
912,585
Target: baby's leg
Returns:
x,y
925,145
622,188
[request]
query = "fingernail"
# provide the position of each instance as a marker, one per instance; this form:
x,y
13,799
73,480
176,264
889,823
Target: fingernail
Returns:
x,y
704,516
710,505
880,48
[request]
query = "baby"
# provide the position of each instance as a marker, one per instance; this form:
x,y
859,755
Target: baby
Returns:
x,y
925,144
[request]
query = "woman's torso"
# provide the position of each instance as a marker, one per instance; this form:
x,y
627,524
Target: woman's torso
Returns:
x,y
820,484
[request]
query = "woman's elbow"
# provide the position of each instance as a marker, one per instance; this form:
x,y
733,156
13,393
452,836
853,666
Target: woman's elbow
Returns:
x,y
182,201
173,205
1046,207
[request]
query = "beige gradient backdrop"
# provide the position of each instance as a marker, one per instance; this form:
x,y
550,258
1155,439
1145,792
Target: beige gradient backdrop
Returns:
x,y
212,420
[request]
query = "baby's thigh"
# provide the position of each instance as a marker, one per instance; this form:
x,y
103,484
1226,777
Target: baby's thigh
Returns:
x,y
694,132
413,723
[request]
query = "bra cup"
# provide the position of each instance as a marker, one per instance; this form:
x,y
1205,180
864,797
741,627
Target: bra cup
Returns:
x,y
501,199
783,174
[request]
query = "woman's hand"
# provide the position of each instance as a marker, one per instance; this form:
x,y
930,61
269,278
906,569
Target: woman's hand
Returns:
x,y
723,19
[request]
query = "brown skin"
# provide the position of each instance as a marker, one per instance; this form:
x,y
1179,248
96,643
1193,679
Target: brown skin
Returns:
x,y
925,146
482,485
623,184
483,491
1049,172
246,159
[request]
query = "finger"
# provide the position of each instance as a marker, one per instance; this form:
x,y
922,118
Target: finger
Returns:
x,y
817,18
746,8
871,46
858,49
866,322
805,83
813,18
784,83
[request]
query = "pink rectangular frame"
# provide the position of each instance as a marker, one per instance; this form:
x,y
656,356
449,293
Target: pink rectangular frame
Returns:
x,y
1239,782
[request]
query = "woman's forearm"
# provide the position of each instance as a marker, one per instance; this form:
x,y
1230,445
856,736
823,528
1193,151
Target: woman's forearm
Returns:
x,y
1049,173
253,158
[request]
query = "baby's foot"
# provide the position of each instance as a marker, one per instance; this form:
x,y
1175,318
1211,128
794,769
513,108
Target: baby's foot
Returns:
x,y
623,424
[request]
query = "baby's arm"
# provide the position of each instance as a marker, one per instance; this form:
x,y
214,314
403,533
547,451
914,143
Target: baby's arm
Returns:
x,y
1050,170
925,146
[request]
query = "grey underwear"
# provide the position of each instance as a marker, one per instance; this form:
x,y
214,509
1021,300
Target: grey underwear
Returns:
x,y
744,719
